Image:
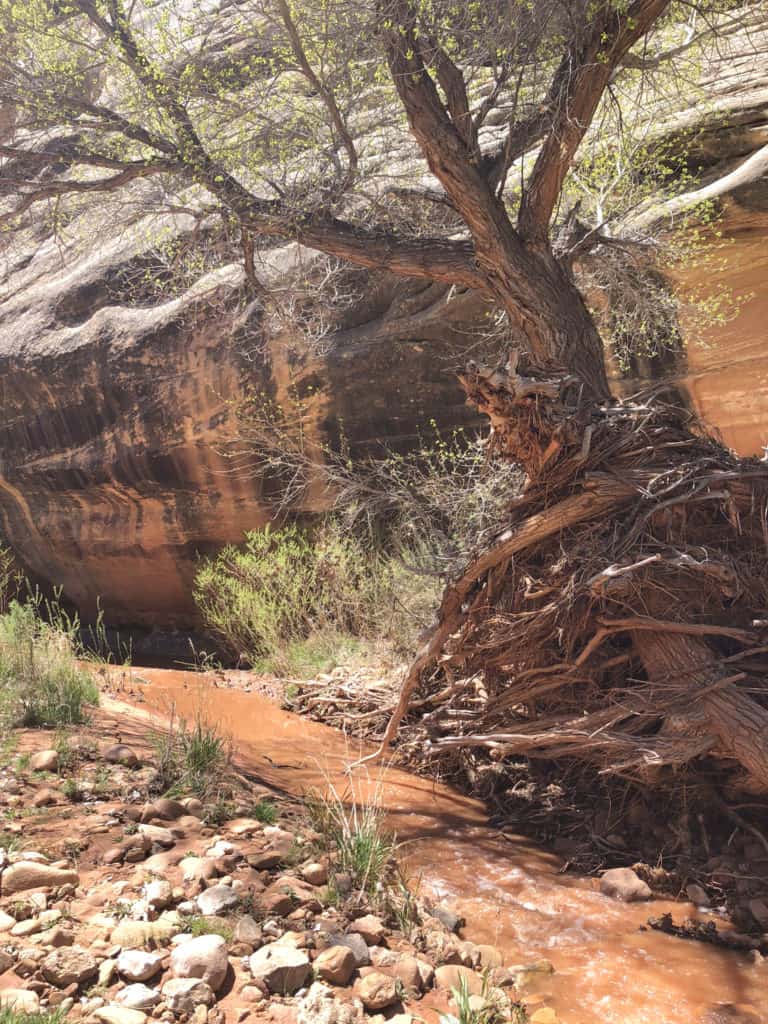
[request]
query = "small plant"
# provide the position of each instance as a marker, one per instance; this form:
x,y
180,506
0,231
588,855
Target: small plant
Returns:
x,y
67,756
10,1015
219,812
266,811
41,682
193,757
355,837
22,762
197,925
488,1011
72,790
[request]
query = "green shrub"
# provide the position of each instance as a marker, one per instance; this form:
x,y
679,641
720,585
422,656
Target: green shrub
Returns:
x,y
9,1015
266,812
197,925
41,683
292,601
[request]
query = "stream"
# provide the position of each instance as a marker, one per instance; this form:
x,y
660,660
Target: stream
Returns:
x,y
512,894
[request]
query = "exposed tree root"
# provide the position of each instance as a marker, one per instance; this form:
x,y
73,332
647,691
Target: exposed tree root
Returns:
x,y
621,618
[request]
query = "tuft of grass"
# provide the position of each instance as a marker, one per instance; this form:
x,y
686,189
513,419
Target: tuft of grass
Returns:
x,y
266,811
198,925
41,683
355,836
490,1011
9,1015
193,756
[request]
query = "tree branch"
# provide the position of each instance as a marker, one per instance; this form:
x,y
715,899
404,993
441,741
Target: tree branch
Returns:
x,y
579,83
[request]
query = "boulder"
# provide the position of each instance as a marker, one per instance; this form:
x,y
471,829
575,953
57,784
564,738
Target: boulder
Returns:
x,y
26,875
138,997
138,965
183,995
377,991
21,1000
370,928
449,976
447,917
6,922
158,894
414,975
134,934
6,961
204,957
168,810
320,1006
624,884
315,873
112,1014
70,965
335,965
156,834
247,930
44,761
281,969
196,869
355,942
119,753
217,900
45,797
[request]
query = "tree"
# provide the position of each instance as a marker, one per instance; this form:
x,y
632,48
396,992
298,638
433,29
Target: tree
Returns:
x,y
289,120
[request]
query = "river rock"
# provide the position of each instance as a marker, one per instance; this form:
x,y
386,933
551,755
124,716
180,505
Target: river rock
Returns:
x,y
449,976
70,965
204,957
45,797
158,894
159,835
183,995
315,873
138,965
335,965
168,810
112,1014
26,875
134,934
624,884
248,931
217,900
6,922
371,929
415,975
44,761
119,753
320,1006
138,997
377,991
281,969
21,1000
6,961
198,869
447,917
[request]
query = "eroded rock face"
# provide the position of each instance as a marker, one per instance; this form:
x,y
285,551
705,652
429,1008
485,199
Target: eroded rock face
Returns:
x,y
117,419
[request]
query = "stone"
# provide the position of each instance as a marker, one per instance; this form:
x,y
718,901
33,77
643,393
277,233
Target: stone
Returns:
x,y
44,761
489,957
159,835
356,943
370,927
21,1000
377,991
45,797
281,969
183,995
624,884
204,957
194,869
320,1006
315,873
158,894
70,965
6,922
107,972
134,934
112,1014
26,875
247,930
31,926
6,961
335,965
449,976
759,910
119,753
217,900
411,974
168,810
447,917
138,965
697,895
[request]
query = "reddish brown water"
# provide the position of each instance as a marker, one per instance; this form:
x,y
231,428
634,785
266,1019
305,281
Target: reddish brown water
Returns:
x,y
511,892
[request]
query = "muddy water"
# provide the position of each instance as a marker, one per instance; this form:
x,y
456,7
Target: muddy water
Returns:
x,y
728,365
511,893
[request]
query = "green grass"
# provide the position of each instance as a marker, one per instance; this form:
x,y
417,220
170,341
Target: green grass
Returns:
x,y
8,1015
266,812
354,835
193,757
198,925
41,683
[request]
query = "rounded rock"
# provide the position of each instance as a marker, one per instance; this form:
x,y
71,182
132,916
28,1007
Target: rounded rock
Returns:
x,y
204,957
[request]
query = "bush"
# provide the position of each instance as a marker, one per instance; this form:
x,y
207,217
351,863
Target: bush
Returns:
x,y
292,600
41,683
9,1015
